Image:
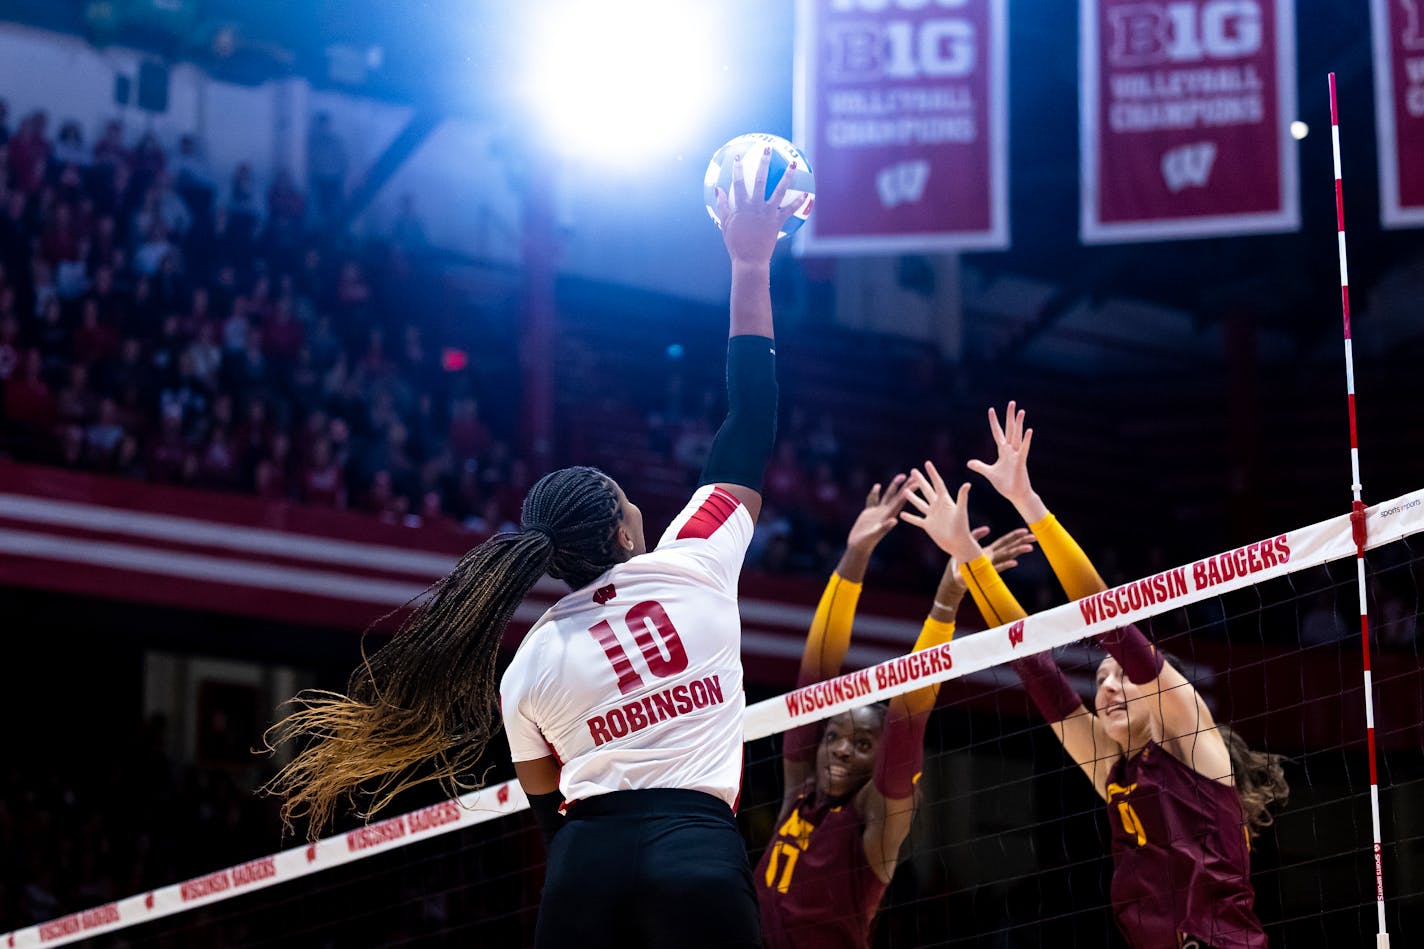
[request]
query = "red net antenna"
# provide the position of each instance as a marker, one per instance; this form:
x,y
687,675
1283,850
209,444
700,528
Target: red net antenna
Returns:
x,y
1357,520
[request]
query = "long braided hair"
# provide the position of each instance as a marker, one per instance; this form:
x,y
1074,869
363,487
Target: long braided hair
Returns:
x,y
424,706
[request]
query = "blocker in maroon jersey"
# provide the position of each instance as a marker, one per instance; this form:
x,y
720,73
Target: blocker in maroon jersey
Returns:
x,y
817,860
1181,862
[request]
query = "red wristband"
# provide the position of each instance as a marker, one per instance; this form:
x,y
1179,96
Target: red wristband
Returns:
x,y
1047,686
902,754
1140,662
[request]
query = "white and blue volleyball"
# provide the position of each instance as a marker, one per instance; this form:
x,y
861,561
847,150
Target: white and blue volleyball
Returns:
x,y
750,146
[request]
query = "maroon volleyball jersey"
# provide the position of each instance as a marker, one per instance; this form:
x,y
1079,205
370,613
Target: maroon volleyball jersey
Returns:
x,y
1181,861
814,884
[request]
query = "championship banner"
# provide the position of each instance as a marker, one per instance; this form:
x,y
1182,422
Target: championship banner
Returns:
x,y
1398,27
901,106
1184,109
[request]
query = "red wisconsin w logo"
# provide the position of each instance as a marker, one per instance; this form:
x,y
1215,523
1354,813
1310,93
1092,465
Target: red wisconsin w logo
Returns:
x,y
603,594
503,795
1016,633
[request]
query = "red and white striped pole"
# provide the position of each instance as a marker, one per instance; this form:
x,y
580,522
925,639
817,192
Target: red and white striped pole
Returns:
x,y
1357,523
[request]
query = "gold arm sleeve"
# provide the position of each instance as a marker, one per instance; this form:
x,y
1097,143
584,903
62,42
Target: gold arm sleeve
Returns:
x,y
828,640
1075,572
990,594
933,633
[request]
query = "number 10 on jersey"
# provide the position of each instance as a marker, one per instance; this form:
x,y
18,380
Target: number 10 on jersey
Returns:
x,y
642,621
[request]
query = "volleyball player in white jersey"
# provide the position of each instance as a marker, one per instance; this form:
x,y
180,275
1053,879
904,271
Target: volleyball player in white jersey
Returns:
x,y
624,702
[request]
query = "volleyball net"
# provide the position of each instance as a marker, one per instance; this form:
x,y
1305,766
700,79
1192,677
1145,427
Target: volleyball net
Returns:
x,y
1009,845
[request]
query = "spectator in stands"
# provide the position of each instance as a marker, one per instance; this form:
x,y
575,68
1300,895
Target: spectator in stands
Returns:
x,y
94,342
69,148
155,249
109,150
103,437
326,170
75,404
4,121
10,351
162,205
1322,623
148,160
468,436
244,202
1398,624
28,154
323,484
28,403
193,179
60,240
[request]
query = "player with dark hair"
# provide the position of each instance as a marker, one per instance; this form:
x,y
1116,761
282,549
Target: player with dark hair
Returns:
x,y
849,782
1184,794
623,705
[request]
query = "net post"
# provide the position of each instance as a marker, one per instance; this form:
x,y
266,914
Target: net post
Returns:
x,y
1358,530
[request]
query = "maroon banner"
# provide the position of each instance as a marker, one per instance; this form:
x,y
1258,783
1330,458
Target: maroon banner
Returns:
x,y
1185,110
1399,109
900,105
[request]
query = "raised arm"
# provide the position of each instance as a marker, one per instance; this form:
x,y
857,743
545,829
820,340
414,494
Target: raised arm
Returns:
x,y
742,447
887,803
946,520
1009,476
1188,729
829,636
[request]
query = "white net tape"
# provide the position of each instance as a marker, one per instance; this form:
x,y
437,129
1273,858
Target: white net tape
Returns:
x,y
1244,566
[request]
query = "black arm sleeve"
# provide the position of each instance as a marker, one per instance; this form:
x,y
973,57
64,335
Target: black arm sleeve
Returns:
x,y
546,814
743,444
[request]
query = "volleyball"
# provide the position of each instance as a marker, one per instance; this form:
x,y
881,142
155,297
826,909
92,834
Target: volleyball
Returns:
x,y
783,153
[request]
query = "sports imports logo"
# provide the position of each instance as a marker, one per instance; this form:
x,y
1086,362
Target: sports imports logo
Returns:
x,y
1188,166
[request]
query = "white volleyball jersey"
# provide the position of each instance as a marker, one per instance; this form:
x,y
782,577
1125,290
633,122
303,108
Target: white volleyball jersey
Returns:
x,y
635,681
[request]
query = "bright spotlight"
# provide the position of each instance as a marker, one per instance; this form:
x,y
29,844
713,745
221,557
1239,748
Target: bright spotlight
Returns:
x,y
621,80
1299,130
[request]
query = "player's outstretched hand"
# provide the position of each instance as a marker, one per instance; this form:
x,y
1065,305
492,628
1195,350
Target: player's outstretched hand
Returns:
x,y
750,228
943,516
1009,472
1003,553
880,515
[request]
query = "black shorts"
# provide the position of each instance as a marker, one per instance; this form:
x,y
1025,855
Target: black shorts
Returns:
x,y
656,868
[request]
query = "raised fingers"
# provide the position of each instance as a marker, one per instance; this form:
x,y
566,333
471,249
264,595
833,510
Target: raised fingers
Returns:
x,y
763,165
778,195
994,428
739,181
919,502
936,481
872,497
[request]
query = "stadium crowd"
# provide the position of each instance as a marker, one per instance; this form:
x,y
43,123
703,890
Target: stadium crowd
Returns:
x,y
158,325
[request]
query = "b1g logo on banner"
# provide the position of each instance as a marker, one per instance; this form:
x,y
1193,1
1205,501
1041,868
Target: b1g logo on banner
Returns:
x,y
1398,27
901,105
1185,111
